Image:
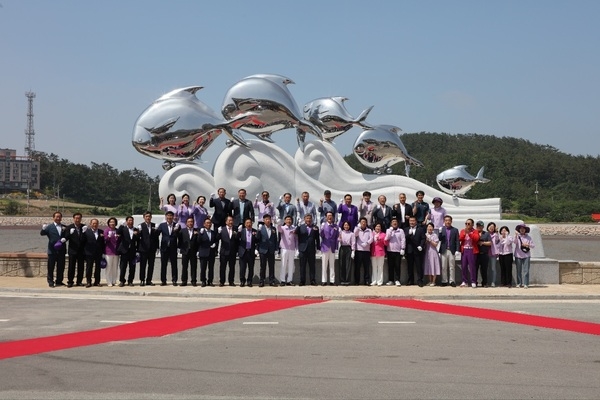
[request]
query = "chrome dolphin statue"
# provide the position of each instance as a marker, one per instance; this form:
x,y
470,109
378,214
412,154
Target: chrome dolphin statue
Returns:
x,y
330,115
457,181
178,127
262,104
380,148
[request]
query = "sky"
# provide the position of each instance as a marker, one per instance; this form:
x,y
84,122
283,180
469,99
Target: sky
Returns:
x,y
527,69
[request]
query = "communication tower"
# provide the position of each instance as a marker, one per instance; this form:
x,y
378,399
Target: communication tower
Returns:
x,y
29,132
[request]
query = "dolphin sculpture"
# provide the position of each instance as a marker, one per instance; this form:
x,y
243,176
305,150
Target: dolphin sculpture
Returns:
x,y
380,148
177,127
457,181
262,104
331,116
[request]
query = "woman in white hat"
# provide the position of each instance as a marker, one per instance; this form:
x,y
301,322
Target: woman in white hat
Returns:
x,y
523,246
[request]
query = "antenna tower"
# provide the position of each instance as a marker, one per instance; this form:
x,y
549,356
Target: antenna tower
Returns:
x,y
29,132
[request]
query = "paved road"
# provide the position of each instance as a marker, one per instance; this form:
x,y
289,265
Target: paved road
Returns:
x,y
334,350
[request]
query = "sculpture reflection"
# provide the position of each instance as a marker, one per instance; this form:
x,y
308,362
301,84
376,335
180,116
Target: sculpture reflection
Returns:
x,y
457,181
330,115
178,127
380,148
262,104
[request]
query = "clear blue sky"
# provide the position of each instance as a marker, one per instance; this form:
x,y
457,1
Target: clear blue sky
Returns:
x,y
527,69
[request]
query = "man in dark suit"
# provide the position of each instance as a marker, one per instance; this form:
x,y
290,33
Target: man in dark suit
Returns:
x,y
168,231
415,248
227,236
76,254
402,211
222,208
241,209
56,233
92,242
128,237
188,247
247,252
147,247
207,252
309,241
382,214
267,246
449,249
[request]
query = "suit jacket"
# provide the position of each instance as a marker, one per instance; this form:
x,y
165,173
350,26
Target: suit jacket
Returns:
x,y
454,240
205,242
127,244
248,212
267,244
242,242
54,236
75,246
148,240
384,218
416,240
309,240
222,210
93,247
287,209
188,245
408,212
168,241
228,244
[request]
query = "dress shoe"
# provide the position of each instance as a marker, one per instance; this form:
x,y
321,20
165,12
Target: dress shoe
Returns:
x,y
313,283
203,284
98,284
142,284
69,285
150,284
282,283
324,284
453,284
249,284
79,284
231,284
332,284
194,284
261,284
130,284
89,285
301,284
121,284
211,284
290,284
242,284
272,284
163,284
183,284
59,284
420,283
221,284
51,285
174,283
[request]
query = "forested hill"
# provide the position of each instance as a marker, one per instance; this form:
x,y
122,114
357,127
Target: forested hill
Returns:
x,y
568,186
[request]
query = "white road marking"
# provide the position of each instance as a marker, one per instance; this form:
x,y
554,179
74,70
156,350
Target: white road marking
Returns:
x,y
397,322
116,322
260,323
4,320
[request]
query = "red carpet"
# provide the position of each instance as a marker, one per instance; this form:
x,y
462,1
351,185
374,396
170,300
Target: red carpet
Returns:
x,y
142,329
495,315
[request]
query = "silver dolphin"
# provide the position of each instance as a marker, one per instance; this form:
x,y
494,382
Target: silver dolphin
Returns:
x,y
457,181
262,104
380,148
177,127
330,115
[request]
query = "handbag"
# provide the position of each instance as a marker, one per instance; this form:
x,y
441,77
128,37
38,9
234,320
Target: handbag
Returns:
x,y
523,248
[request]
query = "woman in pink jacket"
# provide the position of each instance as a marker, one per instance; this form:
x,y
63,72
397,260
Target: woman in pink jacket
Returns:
x,y
377,255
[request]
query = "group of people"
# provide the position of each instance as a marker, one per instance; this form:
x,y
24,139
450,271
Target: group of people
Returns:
x,y
363,237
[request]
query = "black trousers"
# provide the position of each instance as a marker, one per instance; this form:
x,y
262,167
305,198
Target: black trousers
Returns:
x,y
227,260
92,267
190,260
269,259
76,263
168,256
345,260
414,261
483,260
147,259
362,259
247,264
56,261
127,261
307,257
394,259
207,263
506,263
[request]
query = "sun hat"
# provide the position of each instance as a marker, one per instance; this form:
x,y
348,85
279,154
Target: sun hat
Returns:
x,y
518,228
